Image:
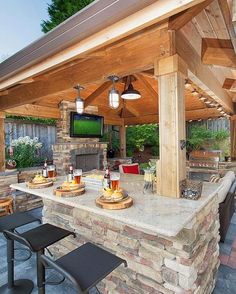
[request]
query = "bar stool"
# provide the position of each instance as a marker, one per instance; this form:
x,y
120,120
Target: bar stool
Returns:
x,y
37,240
6,206
10,223
85,266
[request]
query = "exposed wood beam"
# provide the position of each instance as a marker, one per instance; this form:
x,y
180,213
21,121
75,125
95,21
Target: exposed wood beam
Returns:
x,y
145,48
97,93
4,93
113,121
146,86
151,14
204,113
228,20
234,12
200,74
180,19
228,83
26,81
34,110
131,109
218,52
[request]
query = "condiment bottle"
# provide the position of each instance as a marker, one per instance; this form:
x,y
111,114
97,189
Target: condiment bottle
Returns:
x,y
71,174
107,179
45,170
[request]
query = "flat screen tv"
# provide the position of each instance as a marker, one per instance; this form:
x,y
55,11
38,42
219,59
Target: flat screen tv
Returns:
x,y
86,125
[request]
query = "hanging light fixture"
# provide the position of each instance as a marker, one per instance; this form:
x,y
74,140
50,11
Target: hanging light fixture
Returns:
x,y
129,92
79,102
114,95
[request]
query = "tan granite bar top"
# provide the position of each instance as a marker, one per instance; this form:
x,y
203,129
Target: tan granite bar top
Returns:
x,y
150,213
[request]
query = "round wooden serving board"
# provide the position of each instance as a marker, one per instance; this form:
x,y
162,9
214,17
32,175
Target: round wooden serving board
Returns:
x,y
122,204
32,185
73,193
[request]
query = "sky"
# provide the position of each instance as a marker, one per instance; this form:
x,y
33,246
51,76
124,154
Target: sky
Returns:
x,y
20,24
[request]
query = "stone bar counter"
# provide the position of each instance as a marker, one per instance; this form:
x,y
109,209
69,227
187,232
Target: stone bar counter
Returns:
x,y
170,245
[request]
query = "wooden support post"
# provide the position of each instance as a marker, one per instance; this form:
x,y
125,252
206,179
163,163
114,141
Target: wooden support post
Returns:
x,y
2,141
171,73
122,132
233,137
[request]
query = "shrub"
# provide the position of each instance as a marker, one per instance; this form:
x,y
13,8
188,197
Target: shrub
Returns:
x,y
139,136
25,151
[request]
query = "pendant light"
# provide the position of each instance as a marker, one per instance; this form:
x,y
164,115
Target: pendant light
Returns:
x,y
130,93
114,95
79,102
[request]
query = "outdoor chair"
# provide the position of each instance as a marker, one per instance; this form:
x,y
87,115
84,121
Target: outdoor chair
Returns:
x,y
85,266
6,206
132,168
37,240
10,223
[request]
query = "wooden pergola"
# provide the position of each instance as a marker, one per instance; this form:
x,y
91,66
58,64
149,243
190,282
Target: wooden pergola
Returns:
x,y
161,43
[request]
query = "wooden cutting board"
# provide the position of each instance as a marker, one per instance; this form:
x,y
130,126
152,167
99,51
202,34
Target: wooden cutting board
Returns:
x,y
126,203
73,193
32,185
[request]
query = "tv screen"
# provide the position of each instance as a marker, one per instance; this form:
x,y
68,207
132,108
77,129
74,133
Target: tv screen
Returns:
x,y
86,125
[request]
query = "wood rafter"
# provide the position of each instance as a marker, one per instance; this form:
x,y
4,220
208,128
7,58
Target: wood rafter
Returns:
x,y
180,19
34,110
230,85
97,93
4,93
131,109
228,20
146,86
145,48
106,36
200,74
218,52
204,113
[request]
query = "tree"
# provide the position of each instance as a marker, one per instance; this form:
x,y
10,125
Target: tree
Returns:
x,y
60,10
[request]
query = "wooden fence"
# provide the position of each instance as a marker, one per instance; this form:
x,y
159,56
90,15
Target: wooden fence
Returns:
x,y
212,124
45,133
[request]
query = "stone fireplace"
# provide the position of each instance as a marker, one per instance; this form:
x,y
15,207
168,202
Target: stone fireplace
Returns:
x,y
85,153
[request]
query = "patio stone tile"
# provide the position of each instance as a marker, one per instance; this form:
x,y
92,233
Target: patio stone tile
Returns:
x,y
224,259
225,248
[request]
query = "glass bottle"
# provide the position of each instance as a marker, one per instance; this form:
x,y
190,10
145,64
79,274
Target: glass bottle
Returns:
x,y
107,179
71,174
45,170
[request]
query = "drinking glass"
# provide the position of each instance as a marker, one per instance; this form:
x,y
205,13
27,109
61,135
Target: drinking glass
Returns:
x,y
115,181
77,175
51,171
148,181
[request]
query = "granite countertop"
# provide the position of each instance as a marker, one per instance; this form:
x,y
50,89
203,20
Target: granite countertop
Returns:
x,y
150,213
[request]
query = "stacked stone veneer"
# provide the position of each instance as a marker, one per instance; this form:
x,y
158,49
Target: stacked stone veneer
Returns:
x,y
65,144
186,263
21,201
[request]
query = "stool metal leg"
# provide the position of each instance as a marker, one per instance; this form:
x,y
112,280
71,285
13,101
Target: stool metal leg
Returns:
x,y
22,286
40,273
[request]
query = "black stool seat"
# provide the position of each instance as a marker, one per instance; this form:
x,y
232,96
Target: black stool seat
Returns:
x,y
42,236
10,223
86,265
16,220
